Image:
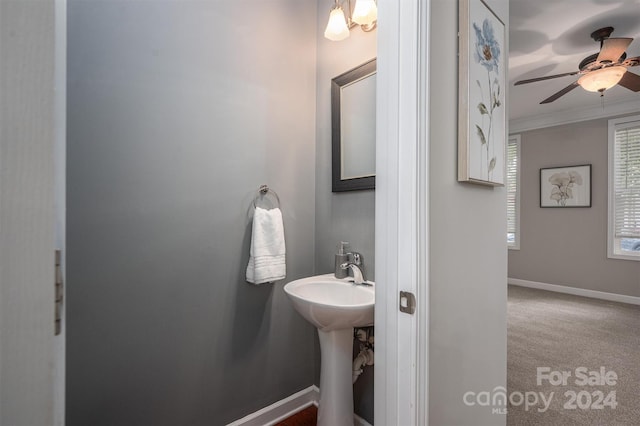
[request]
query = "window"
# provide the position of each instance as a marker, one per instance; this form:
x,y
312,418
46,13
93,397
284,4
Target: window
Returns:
x,y
624,188
513,192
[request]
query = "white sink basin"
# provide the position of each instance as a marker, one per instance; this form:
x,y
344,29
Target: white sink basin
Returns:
x,y
334,306
330,303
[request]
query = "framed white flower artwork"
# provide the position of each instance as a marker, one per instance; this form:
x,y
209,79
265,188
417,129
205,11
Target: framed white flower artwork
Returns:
x,y
482,125
566,186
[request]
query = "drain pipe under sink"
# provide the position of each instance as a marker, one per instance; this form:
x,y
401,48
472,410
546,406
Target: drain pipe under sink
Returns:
x,y
365,357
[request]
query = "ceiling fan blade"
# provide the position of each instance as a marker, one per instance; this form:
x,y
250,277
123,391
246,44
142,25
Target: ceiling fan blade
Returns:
x,y
549,77
561,93
613,48
631,62
631,81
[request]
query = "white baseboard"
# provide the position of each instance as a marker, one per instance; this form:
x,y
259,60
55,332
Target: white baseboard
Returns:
x,y
285,408
613,297
282,409
359,421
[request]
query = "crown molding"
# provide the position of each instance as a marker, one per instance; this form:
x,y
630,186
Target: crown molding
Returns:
x,y
574,115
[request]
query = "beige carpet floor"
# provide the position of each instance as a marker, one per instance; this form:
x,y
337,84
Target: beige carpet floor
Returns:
x,y
564,332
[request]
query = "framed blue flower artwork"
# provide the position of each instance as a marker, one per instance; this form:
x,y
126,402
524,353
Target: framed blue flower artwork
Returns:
x,y
482,126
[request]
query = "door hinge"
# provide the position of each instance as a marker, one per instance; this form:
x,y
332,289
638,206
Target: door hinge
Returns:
x,y
58,293
407,302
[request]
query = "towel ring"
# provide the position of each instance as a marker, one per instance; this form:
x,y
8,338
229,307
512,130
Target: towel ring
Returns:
x,y
263,192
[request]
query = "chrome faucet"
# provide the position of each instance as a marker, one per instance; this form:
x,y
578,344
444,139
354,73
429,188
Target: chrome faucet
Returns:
x,y
358,279
356,267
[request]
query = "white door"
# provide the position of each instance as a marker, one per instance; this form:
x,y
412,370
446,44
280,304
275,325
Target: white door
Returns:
x,y
27,215
401,213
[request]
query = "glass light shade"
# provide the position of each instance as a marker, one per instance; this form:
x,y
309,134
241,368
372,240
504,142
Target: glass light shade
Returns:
x,y
602,79
337,26
365,12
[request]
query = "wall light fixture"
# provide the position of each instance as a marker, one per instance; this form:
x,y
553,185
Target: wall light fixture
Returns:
x,y
365,14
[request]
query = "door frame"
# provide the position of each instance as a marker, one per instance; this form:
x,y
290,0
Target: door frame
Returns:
x,y
27,195
402,232
401,375
60,198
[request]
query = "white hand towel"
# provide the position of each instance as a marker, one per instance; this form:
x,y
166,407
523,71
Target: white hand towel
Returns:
x,y
267,256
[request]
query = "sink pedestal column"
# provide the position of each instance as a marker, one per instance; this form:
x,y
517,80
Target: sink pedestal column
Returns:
x,y
336,385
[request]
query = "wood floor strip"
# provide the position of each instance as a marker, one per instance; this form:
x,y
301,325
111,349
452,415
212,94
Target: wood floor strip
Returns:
x,y
306,417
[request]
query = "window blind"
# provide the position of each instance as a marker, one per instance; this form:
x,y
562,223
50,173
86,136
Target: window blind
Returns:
x,y
626,181
512,185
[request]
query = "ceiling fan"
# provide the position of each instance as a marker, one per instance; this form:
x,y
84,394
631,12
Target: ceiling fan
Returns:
x,y
602,70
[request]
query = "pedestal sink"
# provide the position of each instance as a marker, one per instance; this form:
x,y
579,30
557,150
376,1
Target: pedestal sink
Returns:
x,y
334,306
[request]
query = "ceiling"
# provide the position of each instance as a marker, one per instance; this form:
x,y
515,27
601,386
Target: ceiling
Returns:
x,y
551,37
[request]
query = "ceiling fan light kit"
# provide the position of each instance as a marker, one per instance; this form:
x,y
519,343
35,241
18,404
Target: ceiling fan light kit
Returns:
x,y
601,71
602,79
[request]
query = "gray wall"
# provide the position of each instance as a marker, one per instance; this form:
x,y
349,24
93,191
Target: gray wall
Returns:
x,y
568,246
26,215
468,253
341,216
177,112
346,216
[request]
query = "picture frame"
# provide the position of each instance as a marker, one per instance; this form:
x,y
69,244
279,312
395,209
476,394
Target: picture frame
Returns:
x,y
565,187
482,124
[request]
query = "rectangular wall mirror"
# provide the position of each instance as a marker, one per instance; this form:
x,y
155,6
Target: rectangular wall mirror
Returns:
x,y
353,128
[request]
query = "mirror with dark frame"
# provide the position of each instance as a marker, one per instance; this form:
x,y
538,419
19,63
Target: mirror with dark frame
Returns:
x,y
353,128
